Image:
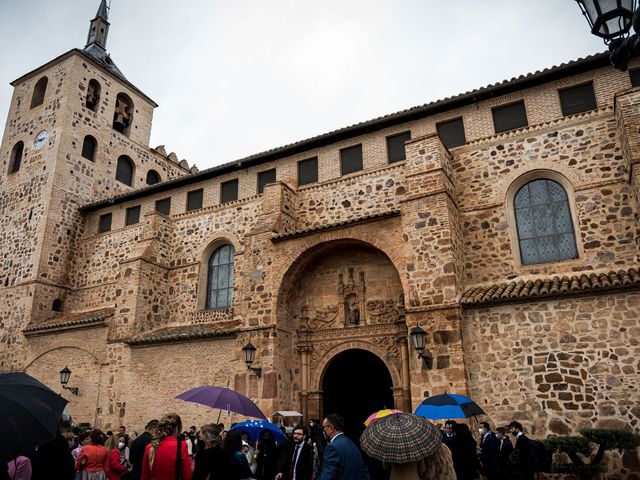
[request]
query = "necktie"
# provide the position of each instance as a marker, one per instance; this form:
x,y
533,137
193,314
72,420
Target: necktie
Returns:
x,y
294,461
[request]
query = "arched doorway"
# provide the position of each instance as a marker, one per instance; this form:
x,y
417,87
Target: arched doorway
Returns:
x,y
355,384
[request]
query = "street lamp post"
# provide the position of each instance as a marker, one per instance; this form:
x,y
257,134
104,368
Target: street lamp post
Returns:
x,y
612,20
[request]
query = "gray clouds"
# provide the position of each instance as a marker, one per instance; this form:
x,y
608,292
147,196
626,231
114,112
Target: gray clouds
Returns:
x,y
238,77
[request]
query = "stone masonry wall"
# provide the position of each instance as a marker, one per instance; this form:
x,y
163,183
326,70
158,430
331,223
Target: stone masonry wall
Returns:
x,y
559,365
605,207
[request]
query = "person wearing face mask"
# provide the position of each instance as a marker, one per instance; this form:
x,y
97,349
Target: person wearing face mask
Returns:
x,y
522,457
118,453
488,452
505,449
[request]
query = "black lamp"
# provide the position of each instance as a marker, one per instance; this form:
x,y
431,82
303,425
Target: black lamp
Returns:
x,y
65,373
419,337
249,352
612,20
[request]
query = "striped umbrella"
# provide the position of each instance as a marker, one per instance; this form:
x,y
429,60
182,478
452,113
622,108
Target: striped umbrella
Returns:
x,y
401,438
379,414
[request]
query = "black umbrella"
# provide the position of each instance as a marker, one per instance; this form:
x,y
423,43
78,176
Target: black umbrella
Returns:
x,y
30,413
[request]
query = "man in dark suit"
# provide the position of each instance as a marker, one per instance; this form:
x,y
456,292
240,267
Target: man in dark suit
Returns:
x,y
136,452
301,465
505,449
522,457
342,459
284,451
488,451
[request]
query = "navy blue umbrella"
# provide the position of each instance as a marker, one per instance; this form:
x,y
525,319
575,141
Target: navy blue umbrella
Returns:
x,y
448,405
254,427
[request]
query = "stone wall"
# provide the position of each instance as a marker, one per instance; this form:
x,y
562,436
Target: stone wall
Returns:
x,y
558,365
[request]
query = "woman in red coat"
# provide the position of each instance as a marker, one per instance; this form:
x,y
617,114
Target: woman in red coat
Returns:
x,y
160,458
118,462
93,462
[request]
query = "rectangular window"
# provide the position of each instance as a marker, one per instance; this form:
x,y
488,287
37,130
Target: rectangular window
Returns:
x,y
395,147
268,176
308,171
509,117
194,199
578,99
351,159
634,76
104,224
452,132
229,191
164,206
133,215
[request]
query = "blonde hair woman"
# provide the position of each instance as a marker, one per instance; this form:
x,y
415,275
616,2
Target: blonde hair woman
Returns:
x,y
167,453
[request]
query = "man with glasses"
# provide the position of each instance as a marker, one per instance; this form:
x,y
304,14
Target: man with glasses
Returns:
x,y
342,459
302,457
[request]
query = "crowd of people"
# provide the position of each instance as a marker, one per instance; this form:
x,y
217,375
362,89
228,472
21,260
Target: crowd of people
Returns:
x,y
321,452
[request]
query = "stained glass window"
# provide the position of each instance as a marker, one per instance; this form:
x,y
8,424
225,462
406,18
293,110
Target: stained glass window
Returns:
x,y
544,225
220,278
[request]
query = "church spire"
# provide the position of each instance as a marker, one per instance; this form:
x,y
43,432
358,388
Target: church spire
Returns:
x,y
99,27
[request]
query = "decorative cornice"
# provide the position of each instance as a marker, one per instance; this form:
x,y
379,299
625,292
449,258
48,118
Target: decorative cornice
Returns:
x,y
332,226
185,333
70,321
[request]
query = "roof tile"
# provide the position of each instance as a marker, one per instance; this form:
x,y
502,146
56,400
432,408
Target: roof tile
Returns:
x,y
550,287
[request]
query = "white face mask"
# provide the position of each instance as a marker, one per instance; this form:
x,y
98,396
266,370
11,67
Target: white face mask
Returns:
x,y
121,445
481,430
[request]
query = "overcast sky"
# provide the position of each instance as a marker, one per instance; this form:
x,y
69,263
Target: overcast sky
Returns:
x,y
238,77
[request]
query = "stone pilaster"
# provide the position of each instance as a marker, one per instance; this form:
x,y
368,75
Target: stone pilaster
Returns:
x,y
435,267
627,112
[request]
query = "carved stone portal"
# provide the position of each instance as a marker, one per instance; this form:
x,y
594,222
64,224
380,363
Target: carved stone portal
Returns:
x,y
352,308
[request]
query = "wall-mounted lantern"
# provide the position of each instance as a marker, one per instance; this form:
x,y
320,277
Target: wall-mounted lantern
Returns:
x,y
249,352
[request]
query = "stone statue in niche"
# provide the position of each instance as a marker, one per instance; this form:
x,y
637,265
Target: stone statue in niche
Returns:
x,y
353,312
352,298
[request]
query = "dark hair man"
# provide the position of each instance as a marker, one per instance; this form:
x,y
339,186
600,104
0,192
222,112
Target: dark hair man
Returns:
x,y
488,451
448,434
136,452
302,457
342,459
505,449
524,465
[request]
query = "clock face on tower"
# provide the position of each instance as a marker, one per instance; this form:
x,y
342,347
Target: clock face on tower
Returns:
x,y
40,139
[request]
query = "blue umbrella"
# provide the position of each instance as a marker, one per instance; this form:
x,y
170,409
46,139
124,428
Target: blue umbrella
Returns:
x,y
254,427
448,405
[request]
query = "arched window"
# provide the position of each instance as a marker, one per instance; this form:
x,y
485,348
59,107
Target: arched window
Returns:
x,y
123,114
38,92
220,278
89,148
57,305
153,177
93,95
544,224
16,157
124,170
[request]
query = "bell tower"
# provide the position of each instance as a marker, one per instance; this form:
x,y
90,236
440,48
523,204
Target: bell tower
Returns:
x,y
99,27
73,127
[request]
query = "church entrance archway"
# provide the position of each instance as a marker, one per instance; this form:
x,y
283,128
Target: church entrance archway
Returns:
x,y
355,384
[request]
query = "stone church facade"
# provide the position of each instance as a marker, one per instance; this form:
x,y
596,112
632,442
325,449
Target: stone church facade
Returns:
x,y
503,222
